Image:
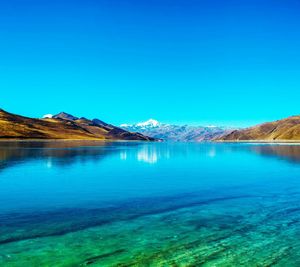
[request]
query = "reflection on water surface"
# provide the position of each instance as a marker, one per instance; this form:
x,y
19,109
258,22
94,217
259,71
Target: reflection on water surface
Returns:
x,y
134,203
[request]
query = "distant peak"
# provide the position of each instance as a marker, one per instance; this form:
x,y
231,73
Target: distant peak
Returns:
x,y
48,116
65,116
64,113
148,123
151,123
125,125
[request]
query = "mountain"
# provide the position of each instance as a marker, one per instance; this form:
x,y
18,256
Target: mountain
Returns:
x,y
149,124
99,122
281,130
64,116
62,126
171,132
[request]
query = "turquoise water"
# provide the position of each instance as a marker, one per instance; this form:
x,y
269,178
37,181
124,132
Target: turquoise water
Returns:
x,y
149,204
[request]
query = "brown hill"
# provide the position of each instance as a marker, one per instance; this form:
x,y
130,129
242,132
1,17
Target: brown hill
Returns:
x,y
282,130
61,127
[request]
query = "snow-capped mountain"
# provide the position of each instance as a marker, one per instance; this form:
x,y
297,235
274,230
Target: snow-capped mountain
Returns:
x,y
48,116
149,124
171,132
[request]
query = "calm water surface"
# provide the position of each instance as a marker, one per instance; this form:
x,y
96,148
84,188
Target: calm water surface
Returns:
x,y
149,204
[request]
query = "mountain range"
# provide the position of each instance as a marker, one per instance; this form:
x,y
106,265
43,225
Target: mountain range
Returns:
x,y
62,126
287,129
67,126
172,132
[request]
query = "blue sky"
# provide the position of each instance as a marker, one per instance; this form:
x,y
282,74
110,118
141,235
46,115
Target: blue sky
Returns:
x,y
190,61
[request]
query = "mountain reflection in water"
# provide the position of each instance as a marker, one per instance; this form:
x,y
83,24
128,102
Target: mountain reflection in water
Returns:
x,y
71,152
75,203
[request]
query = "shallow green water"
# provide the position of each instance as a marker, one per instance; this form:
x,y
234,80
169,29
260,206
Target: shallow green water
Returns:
x,y
149,204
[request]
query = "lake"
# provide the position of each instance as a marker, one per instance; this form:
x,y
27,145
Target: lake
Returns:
x,y
149,204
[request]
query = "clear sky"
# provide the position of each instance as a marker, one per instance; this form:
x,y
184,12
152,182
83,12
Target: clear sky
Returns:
x,y
186,61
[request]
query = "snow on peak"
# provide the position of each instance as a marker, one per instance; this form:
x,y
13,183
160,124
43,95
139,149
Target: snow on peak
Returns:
x,y
148,123
48,116
125,125
143,125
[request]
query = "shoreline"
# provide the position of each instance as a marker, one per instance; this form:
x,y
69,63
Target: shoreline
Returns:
x,y
71,140
148,141
258,141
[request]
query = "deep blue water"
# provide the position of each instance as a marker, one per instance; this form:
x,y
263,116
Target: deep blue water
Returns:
x,y
213,195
